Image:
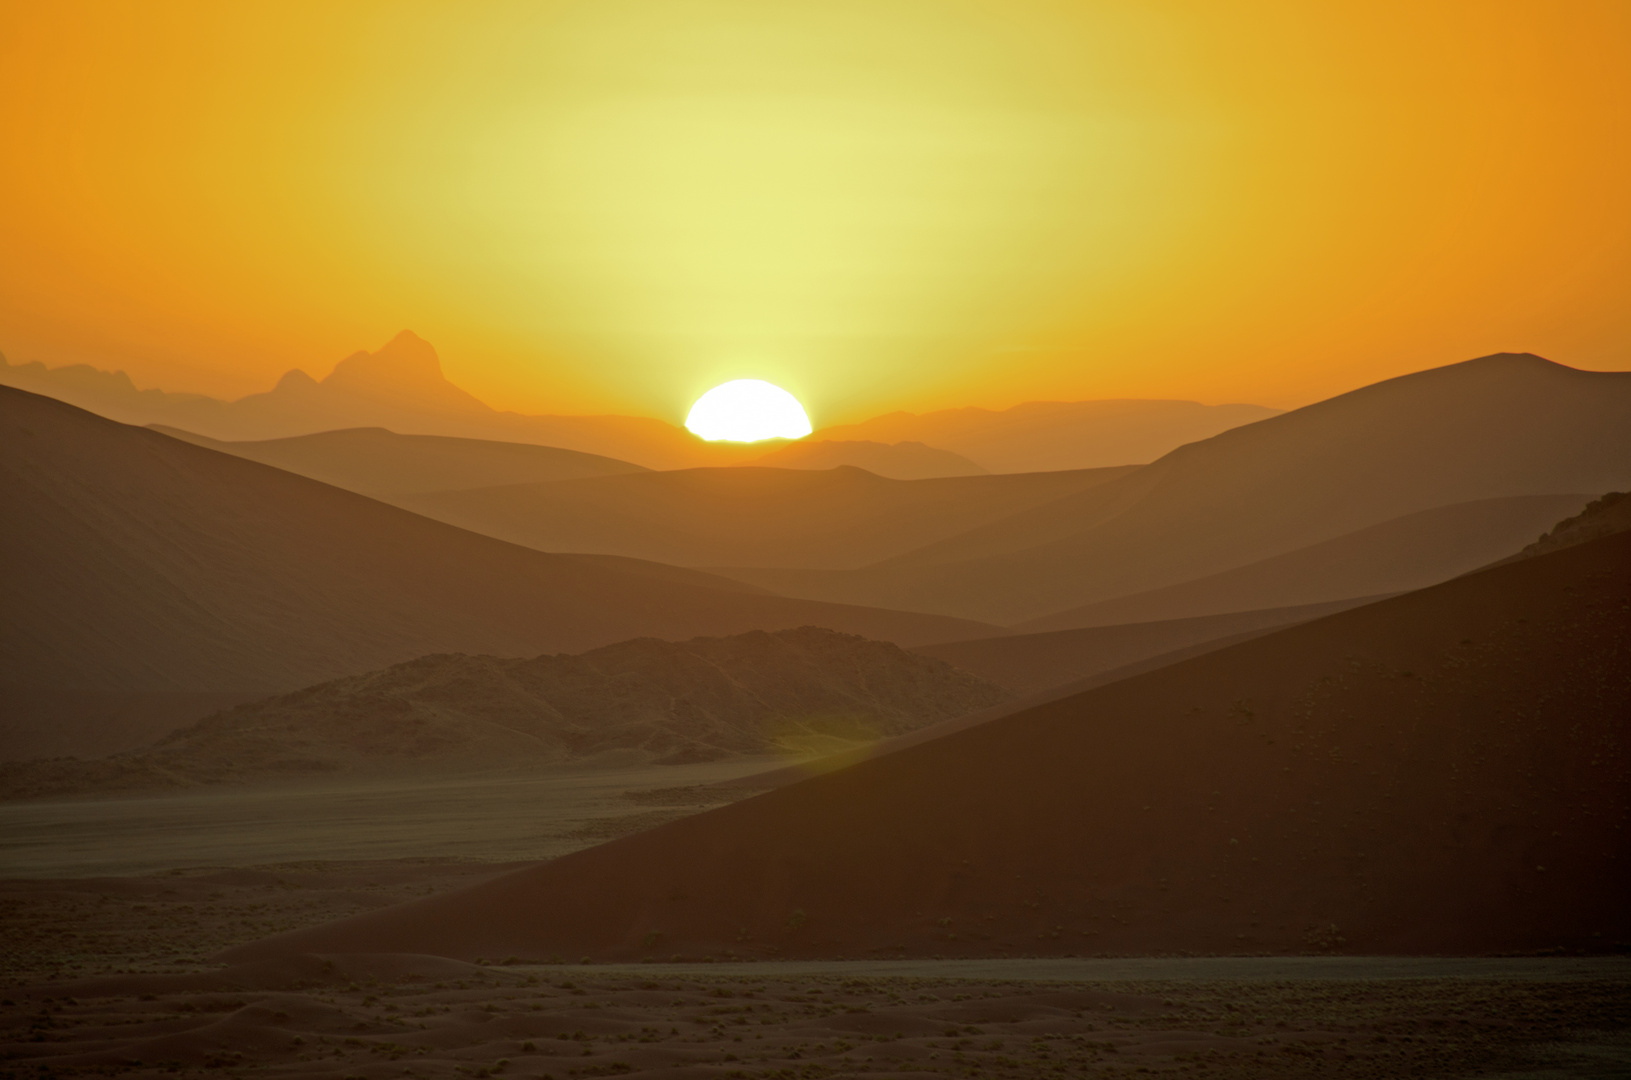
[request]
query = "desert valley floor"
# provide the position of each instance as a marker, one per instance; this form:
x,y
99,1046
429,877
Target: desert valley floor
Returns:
x,y
107,949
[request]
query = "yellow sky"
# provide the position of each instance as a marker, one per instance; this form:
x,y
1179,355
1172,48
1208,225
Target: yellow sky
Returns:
x,y
612,205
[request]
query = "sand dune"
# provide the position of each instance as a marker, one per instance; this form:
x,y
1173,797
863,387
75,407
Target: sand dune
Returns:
x,y
133,561
1042,435
1396,556
898,461
383,464
747,516
48,722
1026,663
1497,427
1442,772
637,702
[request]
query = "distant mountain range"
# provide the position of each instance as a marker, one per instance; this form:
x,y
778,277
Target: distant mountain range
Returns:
x,y
401,388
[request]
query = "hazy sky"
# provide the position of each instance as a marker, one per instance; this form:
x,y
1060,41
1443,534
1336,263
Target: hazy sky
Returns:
x,y
613,205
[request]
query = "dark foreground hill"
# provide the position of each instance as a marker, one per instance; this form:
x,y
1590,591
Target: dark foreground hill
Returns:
x,y
133,561
640,701
1443,772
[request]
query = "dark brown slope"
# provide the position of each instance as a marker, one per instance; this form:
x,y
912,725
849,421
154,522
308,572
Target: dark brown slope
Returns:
x,y
1396,556
1026,663
133,561
748,516
1444,772
637,702
52,722
382,464
1495,427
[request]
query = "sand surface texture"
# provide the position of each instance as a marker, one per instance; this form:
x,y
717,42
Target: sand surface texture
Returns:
x,y
394,1016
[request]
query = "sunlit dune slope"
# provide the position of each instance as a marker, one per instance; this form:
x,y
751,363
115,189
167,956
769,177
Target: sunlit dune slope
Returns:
x,y
1406,553
1503,425
1042,435
1443,772
132,560
643,701
748,516
382,463
1027,663
898,461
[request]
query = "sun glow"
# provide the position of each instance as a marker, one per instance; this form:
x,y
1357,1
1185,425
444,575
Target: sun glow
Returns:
x,y
747,410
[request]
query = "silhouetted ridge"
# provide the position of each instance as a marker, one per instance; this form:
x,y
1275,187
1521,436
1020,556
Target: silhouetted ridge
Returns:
x,y
133,561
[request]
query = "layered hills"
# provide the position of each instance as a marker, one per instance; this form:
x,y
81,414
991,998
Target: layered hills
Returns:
x,y
383,464
401,387
1030,662
1406,553
748,516
1442,772
640,701
1493,428
1045,435
130,560
898,461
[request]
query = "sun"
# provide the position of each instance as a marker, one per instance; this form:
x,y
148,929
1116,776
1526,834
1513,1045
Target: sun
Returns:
x,y
747,410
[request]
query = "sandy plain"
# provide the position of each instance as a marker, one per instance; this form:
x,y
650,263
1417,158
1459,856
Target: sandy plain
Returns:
x,y
482,817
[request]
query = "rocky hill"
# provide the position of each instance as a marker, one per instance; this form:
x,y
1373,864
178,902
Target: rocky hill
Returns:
x,y
645,700
1602,517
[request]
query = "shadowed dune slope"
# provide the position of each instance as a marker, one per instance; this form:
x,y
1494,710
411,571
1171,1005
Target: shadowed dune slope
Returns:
x,y
1026,663
382,463
898,461
49,722
748,516
133,561
1443,772
1396,556
637,702
1499,426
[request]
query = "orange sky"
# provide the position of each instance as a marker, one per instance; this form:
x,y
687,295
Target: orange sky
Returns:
x,y
612,205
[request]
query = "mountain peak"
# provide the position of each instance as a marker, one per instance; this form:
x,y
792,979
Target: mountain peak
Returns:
x,y
405,360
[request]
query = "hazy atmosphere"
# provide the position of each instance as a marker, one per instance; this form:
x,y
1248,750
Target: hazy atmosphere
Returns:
x,y
801,540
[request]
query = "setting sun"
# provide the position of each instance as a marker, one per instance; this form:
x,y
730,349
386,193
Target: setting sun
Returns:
x,y
747,410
